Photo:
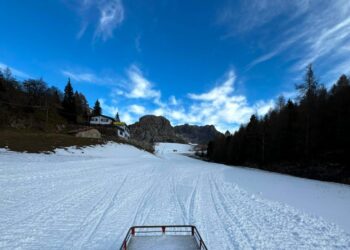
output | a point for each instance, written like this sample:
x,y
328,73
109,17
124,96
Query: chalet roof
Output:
x,y
105,116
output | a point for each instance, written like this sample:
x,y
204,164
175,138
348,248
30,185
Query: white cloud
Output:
x,y
173,100
139,86
83,76
137,109
243,16
15,72
219,106
108,109
219,93
110,14
80,77
127,118
125,114
262,107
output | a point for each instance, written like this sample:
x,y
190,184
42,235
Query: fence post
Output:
x,y
163,229
133,231
192,230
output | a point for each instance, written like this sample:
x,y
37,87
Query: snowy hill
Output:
x,y
88,198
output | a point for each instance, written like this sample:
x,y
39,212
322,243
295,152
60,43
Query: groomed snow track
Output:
x,y
89,198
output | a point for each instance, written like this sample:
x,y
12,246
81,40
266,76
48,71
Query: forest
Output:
x,y
32,104
306,137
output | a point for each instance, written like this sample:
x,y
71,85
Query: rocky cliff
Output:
x,y
151,128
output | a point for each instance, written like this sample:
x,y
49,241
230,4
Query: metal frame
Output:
x,y
164,229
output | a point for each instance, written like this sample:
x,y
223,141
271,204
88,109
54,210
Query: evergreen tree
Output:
x,y
309,137
68,103
310,85
117,117
81,107
97,108
281,102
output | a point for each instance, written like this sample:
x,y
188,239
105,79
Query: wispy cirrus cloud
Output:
x,y
80,77
104,15
14,71
244,16
302,32
89,77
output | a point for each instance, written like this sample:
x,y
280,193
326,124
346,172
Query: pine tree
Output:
x,y
97,108
308,94
68,103
280,103
117,117
309,87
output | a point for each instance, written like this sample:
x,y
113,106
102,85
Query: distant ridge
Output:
x,y
197,134
151,128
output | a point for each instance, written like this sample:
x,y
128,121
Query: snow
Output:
x,y
88,198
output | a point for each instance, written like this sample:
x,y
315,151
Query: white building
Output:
x,y
122,130
101,120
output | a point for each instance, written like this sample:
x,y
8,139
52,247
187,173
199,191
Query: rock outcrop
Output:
x,y
151,128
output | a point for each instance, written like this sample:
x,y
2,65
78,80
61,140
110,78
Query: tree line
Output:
x,y
33,104
307,137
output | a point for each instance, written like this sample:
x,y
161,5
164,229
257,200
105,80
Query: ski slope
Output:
x,y
88,198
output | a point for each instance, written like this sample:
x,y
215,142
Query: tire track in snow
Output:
x,y
142,210
179,203
208,219
97,220
224,211
224,228
192,199
244,213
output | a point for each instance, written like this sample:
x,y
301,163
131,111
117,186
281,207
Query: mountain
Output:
x,y
151,128
197,134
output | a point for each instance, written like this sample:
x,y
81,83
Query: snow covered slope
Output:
x,y
87,199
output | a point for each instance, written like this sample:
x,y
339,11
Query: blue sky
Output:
x,y
196,62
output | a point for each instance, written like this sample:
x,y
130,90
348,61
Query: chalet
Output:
x,y
101,120
122,130
121,127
